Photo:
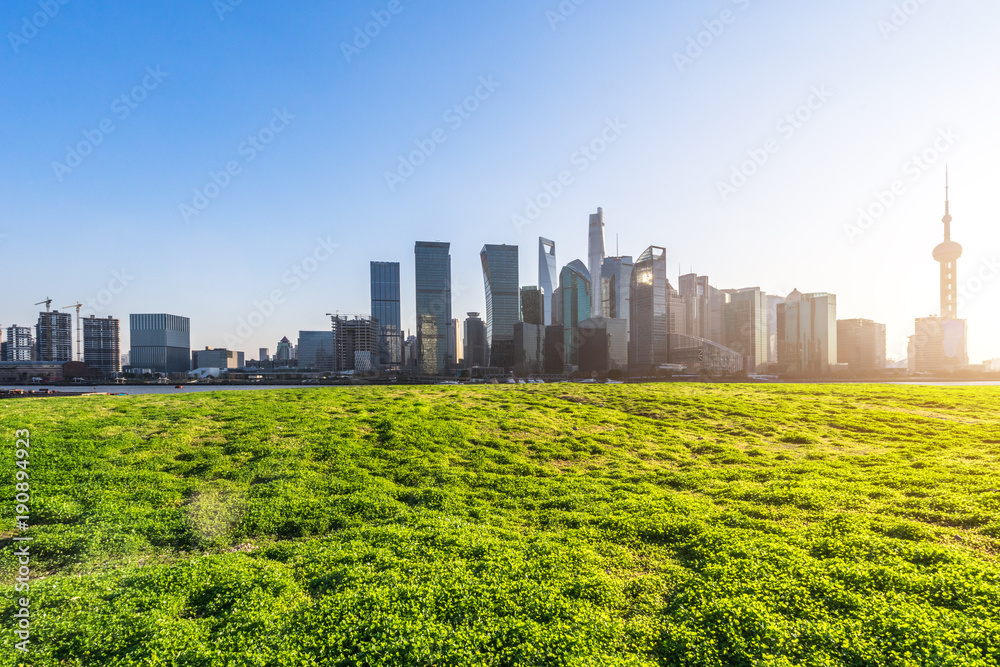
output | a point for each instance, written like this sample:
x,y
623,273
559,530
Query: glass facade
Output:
x,y
433,280
548,276
161,343
746,327
385,297
500,276
316,351
575,299
648,305
616,280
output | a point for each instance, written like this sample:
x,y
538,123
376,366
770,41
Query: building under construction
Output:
x,y
102,344
54,336
355,344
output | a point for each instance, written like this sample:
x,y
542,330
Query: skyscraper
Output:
x,y
385,297
476,346
861,344
283,356
575,299
433,281
548,275
20,344
648,304
160,342
596,252
102,344
503,307
807,333
616,282
54,336
746,326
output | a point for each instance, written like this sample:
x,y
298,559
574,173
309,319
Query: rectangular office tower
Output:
x,y
861,345
316,351
548,276
20,344
385,294
648,303
160,342
807,333
102,347
434,321
503,307
54,336
746,327
532,306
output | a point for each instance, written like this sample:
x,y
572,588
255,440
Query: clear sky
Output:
x,y
115,113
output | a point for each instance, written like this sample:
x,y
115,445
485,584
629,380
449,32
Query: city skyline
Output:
x,y
807,180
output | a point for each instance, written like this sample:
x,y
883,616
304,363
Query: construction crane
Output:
x,y
79,331
48,322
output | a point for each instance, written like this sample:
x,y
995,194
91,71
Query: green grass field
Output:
x,y
692,525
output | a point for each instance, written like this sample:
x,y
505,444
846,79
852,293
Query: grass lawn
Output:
x,y
695,525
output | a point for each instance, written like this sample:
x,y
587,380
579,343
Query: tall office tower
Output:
x,y
532,306
503,308
102,347
575,300
385,296
695,291
263,355
548,275
772,327
946,334
807,333
20,344
476,347
861,345
746,326
316,351
455,331
616,283
160,342
54,336
283,356
648,305
433,279
596,252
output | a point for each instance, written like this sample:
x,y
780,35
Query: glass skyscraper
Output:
x,y
434,321
548,275
102,344
385,294
503,307
161,343
648,306
575,299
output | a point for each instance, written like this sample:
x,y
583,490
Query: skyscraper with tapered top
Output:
x,y
548,275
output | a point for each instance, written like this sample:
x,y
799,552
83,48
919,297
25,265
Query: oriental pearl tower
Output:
x,y
947,254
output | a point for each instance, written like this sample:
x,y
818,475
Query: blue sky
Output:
x,y
886,80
